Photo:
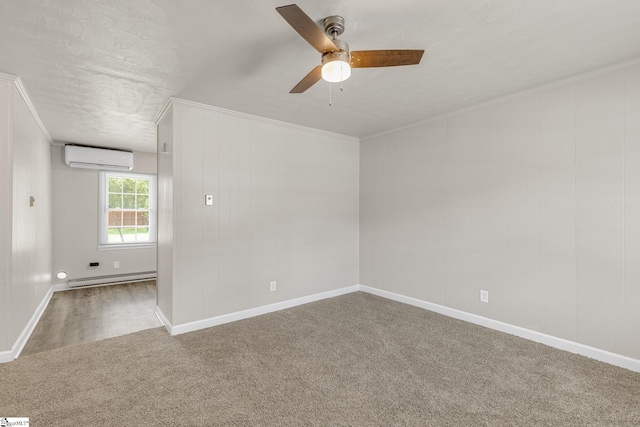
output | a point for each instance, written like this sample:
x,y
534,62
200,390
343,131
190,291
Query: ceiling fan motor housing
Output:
x,y
342,45
341,55
336,56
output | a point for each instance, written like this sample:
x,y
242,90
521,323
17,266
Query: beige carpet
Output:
x,y
354,360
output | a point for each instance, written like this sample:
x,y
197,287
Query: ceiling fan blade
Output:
x,y
308,29
309,80
385,58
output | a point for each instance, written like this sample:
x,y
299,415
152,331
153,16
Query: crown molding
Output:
x,y
22,91
163,111
25,97
177,101
8,78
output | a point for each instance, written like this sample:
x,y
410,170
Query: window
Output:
x,y
127,209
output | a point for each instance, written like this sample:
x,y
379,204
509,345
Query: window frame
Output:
x,y
103,209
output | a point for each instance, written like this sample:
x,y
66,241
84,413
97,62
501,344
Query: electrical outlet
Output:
x,y
484,296
116,264
273,286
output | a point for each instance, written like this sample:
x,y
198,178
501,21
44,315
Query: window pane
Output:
x,y
129,234
143,186
143,202
115,201
129,218
129,185
143,234
143,218
115,218
115,185
129,201
115,235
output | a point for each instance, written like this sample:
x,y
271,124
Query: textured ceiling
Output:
x,y
98,71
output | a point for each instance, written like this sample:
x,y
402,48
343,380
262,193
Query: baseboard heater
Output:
x,y
111,280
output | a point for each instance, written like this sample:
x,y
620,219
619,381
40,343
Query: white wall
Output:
x,y
165,215
6,216
25,229
75,223
285,209
535,199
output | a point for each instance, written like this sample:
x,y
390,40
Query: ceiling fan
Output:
x,y
337,61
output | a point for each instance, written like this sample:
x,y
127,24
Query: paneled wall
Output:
x,y
31,238
6,216
535,198
165,252
285,210
75,223
25,222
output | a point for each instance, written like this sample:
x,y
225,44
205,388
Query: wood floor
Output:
x,y
92,314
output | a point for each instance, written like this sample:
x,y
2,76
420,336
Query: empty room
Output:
x,y
323,213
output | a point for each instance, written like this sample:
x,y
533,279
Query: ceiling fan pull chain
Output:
x,y
334,36
329,94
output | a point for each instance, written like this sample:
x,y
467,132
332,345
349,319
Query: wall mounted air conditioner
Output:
x,y
78,156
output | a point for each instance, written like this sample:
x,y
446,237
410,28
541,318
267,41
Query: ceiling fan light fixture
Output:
x,y
337,59
335,67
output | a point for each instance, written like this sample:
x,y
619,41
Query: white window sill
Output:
x,y
114,246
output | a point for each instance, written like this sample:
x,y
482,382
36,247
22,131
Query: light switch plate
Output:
x,y
208,199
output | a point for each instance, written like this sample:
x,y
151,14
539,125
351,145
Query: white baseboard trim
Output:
x,y
163,319
252,312
8,356
559,343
